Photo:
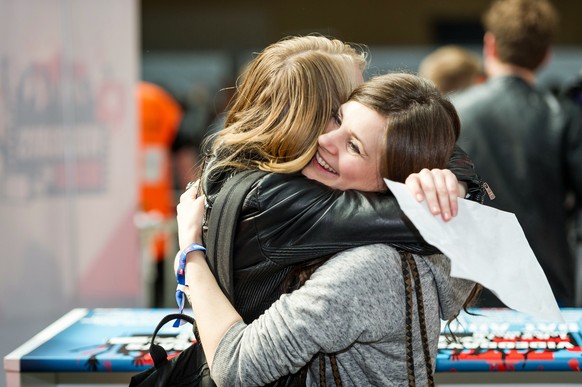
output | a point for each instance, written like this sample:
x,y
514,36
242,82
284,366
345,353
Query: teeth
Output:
x,y
325,165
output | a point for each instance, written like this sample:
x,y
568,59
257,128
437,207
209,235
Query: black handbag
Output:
x,y
190,368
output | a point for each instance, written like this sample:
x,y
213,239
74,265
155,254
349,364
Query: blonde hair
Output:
x,y
283,102
451,68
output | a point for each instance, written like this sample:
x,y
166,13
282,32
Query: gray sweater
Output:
x,y
354,305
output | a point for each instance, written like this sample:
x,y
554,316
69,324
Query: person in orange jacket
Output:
x,y
159,119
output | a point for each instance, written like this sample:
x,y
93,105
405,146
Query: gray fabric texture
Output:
x,y
353,305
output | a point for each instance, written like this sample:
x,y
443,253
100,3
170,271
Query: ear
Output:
x,y
489,49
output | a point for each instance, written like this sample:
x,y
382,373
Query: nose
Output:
x,y
329,141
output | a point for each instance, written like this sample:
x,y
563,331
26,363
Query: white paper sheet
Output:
x,y
488,246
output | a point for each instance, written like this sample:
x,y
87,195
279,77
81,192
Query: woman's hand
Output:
x,y
190,215
440,188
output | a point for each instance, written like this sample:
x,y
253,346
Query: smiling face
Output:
x,y
349,152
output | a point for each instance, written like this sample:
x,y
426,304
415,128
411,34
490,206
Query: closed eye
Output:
x,y
353,146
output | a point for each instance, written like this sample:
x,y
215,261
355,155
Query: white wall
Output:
x,y
67,161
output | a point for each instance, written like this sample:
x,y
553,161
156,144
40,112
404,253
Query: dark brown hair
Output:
x,y
422,124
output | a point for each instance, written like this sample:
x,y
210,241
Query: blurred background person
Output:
x,y
204,116
526,142
186,152
159,118
452,68
573,91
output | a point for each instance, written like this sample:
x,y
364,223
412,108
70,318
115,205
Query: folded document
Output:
x,y
488,246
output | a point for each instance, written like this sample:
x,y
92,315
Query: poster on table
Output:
x,y
502,340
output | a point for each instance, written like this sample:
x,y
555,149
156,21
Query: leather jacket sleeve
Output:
x,y
293,219
462,166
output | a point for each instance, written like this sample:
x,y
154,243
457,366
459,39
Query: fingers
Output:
x,y
452,189
190,215
192,190
190,184
414,186
431,186
199,204
445,194
439,188
189,205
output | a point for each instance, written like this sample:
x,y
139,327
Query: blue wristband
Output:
x,y
181,277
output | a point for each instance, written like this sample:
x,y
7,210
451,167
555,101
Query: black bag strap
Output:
x,y
222,226
157,352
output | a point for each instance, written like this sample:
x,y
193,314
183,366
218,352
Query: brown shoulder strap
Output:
x,y
421,319
408,265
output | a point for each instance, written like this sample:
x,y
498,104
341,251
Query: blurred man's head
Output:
x,y
451,68
522,30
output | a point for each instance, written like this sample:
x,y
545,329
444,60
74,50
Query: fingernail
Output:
x,y
419,197
435,210
446,216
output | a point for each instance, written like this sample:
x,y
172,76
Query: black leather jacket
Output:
x,y
528,145
288,219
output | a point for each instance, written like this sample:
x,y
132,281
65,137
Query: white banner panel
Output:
x,y
68,135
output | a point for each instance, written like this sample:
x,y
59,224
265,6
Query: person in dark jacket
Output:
x,y
285,99
527,143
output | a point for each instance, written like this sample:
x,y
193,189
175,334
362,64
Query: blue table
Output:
x,y
502,346
107,346
94,346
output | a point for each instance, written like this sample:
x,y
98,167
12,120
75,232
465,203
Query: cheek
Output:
x,y
370,173
379,178
380,184
363,177
375,182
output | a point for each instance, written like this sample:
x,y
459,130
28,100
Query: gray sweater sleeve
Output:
x,y
329,313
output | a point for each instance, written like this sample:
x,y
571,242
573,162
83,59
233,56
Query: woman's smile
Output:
x,y
321,161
